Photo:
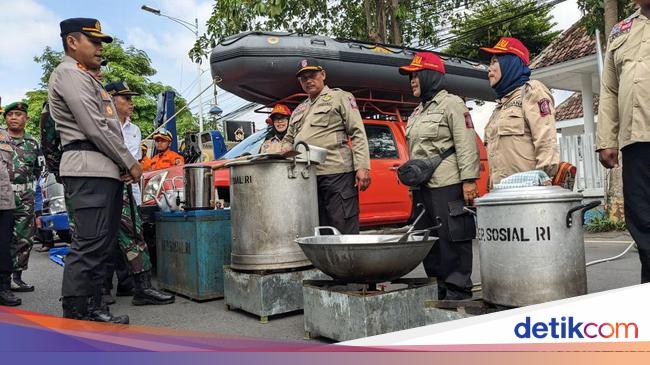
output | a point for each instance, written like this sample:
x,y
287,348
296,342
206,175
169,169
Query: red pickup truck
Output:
x,y
385,202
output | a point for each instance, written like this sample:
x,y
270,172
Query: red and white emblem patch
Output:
x,y
353,102
544,107
468,120
625,25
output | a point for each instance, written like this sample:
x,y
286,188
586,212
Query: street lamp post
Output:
x,y
194,28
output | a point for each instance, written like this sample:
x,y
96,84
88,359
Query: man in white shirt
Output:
x,y
130,237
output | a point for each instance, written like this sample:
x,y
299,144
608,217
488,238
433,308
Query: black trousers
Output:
x,y
636,193
338,202
97,206
450,258
117,264
6,232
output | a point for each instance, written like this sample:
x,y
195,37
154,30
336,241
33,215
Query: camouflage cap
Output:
x,y
18,105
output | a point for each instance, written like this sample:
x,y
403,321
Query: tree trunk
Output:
x,y
396,34
611,15
369,18
381,21
614,190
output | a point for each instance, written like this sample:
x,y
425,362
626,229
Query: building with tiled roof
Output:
x,y
573,43
571,108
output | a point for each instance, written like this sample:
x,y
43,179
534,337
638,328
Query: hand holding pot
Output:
x,y
470,192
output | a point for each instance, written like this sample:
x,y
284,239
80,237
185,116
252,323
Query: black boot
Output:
x,y
144,293
18,285
75,308
7,298
99,312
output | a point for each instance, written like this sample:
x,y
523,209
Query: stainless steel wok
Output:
x,y
366,259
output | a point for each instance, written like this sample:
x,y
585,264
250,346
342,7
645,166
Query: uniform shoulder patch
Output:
x,y
544,107
621,28
468,120
301,108
353,102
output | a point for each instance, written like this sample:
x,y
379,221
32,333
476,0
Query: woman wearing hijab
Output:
x,y
441,127
520,135
279,122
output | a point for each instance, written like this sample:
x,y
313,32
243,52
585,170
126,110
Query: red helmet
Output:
x,y
509,45
279,109
424,61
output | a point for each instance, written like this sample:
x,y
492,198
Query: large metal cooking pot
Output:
x,y
199,187
531,245
365,259
316,154
273,201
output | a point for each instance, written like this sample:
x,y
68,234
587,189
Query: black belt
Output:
x,y
80,146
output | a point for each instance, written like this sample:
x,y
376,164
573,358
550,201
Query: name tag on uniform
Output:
x,y
5,147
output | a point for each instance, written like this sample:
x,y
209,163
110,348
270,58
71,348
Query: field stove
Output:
x,y
266,293
345,312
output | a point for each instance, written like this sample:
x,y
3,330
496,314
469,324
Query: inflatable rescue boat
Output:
x,y
261,67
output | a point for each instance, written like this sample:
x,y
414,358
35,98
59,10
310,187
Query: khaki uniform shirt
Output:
x,y
520,135
329,122
7,201
84,111
272,145
443,123
624,110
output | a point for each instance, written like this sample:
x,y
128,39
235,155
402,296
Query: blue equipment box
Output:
x,y
192,248
55,222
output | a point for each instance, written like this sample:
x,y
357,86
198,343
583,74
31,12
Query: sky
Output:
x,y
28,26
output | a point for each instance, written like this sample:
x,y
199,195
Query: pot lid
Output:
x,y
264,160
531,194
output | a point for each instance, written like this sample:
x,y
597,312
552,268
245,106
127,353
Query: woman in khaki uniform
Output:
x,y
442,126
7,205
279,123
520,135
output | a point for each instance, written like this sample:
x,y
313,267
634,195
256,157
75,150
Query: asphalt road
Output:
x,y
214,317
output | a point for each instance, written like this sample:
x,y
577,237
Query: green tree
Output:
x,y
129,64
594,13
490,20
400,22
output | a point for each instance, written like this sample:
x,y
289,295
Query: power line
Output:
x,y
474,31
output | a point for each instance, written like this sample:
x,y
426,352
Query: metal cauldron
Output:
x,y
531,245
199,187
273,201
366,259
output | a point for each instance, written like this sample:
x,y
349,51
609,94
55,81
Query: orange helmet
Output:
x,y
279,109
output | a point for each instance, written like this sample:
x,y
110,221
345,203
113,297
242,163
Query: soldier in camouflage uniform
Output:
x,y
27,168
130,236
7,205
